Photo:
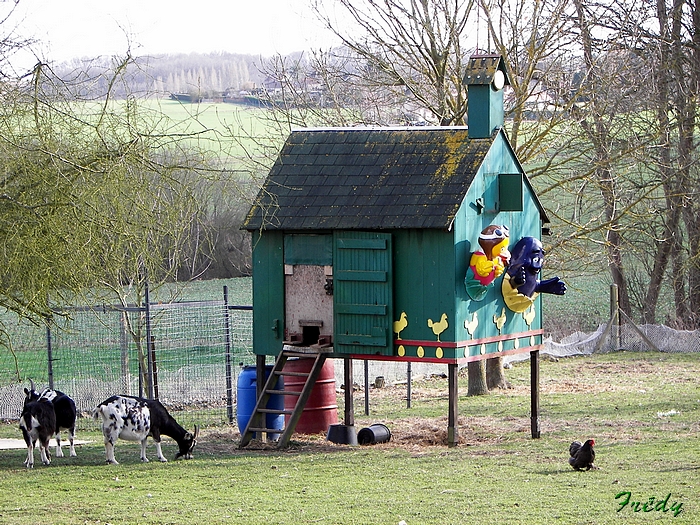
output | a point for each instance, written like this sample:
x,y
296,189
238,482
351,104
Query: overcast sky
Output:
x,y
79,28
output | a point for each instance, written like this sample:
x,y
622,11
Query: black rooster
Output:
x,y
582,456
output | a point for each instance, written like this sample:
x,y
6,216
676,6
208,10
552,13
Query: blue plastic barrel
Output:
x,y
247,397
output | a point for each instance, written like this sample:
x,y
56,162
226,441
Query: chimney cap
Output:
x,y
482,70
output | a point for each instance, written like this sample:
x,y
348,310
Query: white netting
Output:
x,y
636,338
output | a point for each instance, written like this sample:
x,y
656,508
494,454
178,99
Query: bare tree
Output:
x,y
672,52
536,38
99,197
411,48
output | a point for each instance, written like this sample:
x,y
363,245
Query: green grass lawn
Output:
x,y
642,409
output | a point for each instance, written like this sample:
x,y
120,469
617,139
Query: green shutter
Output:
x,y
268,293
510,192
362,293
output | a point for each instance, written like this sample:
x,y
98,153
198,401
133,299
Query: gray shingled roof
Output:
x,y
368,179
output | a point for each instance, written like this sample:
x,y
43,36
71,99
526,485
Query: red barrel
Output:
x,y
321,410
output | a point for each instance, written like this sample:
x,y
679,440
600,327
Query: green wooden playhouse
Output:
x,y
362,239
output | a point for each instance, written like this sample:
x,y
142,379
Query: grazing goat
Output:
x,y
65,410
136,418
38,423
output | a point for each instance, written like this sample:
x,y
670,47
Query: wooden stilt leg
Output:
x,y
259,374
452,427
349,406
535,393
258,419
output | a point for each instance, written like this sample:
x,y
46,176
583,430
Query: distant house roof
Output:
x,y
353,178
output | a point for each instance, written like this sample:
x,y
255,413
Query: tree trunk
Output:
x,y
692,269
600,135
495,375
694,223
476,373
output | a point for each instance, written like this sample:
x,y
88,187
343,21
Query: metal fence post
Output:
x,y
366,362
409,378
49,353
149,356
124,345
229,382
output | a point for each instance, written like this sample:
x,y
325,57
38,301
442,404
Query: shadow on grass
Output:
x,y
558,472
688,468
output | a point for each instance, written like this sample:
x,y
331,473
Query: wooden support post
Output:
x,y
259,418
453,412
535,393
615,319
349,406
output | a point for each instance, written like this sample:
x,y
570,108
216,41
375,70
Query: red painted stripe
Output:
x,y
444,360
469,342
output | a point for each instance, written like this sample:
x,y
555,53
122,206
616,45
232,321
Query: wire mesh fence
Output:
x,y
191,363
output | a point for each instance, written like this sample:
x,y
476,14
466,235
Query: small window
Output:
x,y
510,192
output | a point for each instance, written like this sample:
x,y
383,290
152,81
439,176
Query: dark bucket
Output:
x,y
373,434
342,434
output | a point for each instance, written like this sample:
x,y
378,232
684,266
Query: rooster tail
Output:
x,y
574,448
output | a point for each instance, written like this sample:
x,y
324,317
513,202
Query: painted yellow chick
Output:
x,y
438,326
400,325
470,326
500,321
529,315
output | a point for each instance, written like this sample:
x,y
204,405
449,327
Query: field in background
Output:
x,y
221,128
584,307
240,291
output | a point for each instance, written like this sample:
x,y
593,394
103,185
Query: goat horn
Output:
x,y
196,432
31,385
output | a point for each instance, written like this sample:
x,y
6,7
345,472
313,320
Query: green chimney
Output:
x,y
485,77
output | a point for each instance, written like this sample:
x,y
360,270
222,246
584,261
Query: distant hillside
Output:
x,y
205,75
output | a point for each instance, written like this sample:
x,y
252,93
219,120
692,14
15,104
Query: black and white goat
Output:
x,y
136,418
38,423
65,410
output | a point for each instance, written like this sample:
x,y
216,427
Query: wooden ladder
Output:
x,y
256,423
